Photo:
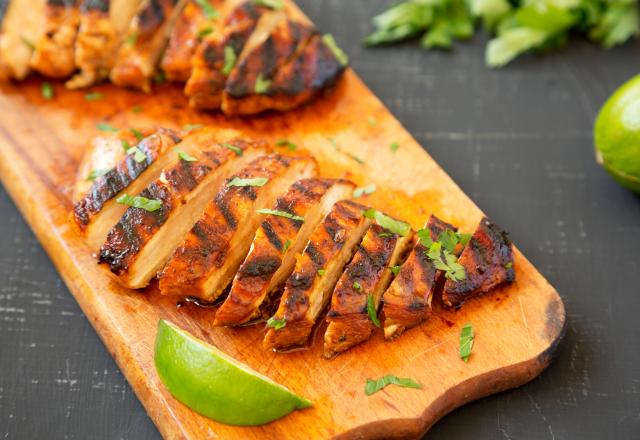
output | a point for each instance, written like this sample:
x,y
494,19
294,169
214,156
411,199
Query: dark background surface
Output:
x,y
517,140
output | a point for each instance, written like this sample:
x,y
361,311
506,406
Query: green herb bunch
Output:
x,y
518,26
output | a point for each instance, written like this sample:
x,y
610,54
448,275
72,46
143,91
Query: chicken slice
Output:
x,y
261,58
142,242
103,154
362,283
146,40
310,72
22,27
206,261
276,243
195,22
488,263
103,24
407,301
218,53
54,49
308,289
96,213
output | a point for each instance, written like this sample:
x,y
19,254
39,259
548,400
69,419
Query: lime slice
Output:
x,y
617,135
217,386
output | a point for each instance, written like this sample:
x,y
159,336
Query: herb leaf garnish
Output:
x,y
205,31
140,202
449,265
321,272
262,85
207,9
191,127
98,172
138,154
364,190
230,58
237,181
232,147
395,269
373,386
103,126
46,89
392,225
287,143
466,342
371,310
183,155
93,96
340,55
272,4
372,121
276,323
137,133
286,246
280,214
357,286
395,147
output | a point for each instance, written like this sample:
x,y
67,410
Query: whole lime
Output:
x,y
617,135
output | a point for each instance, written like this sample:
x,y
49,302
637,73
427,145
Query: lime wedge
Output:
x,y
617,135
217,386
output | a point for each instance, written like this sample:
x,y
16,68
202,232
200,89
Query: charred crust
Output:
x,y
259,267
271,235
223,207
315,255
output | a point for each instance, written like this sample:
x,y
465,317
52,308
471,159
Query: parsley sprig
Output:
x,y
441,252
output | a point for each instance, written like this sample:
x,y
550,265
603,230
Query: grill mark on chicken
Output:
x,y
250,295
204,253
368,274
206,82
488,263
117,179
307,292
284,41
407,302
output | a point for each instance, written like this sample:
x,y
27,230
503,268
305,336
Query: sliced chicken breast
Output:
x,y
218,53
103,25
22,27
277,242
96,213
142,242
146,40
196,22
206,261
310,72
265,52
308,289
54,49
360,288
488,263
407,301
103,154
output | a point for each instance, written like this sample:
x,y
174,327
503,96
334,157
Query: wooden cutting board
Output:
x,y
517,328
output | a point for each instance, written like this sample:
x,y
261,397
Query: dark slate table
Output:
x,y
517,140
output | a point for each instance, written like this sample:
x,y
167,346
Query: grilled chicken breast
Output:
x,y
311,71
363,281
146,40
308,289
407,301
194,23
142,242
488,263
218,53
103,154
206,261
54,49
276,243
103,24
96,213
265,52
22,27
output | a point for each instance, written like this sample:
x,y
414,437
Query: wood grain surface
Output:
x,y
517,328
